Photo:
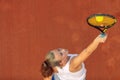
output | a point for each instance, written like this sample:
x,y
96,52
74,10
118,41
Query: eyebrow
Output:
x,y
59,50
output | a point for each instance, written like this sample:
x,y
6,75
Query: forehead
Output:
x,y
59,50
57,53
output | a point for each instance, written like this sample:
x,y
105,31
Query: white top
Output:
x,y
65,74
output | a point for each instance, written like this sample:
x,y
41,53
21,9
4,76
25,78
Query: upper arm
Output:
x,y
79,59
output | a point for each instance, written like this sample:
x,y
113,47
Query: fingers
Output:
x,y
103,38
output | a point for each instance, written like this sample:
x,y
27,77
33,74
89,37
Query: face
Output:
x,y
61,55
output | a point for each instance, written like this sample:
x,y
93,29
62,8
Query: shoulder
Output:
x,y
73,67
72,57
74,54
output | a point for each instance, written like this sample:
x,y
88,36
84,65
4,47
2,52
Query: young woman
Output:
x,y
64,66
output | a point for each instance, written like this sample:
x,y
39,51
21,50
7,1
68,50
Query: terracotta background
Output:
x,y
30,28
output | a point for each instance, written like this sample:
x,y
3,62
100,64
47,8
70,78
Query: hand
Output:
x,y
101,38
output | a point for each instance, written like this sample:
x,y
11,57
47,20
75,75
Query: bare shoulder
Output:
x,y
73,67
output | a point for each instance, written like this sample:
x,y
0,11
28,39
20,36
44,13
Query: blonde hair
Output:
x,y
48,64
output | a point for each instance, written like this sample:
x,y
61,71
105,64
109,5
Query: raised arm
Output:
x,y
76,62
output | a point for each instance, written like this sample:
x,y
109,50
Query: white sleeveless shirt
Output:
x,y
65,74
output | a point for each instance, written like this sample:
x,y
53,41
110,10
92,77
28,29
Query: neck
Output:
x,y
67,59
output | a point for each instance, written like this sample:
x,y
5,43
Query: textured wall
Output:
x,y
30,28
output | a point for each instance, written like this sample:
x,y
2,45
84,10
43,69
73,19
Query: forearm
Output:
x,y
88,51
77,61
92,47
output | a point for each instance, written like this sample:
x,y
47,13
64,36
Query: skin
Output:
x,y
75,63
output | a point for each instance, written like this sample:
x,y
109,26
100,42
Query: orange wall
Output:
x,y
30,28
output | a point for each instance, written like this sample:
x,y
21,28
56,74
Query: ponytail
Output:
x,y
46,69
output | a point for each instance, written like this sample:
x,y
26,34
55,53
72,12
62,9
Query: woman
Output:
x,y
65,66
